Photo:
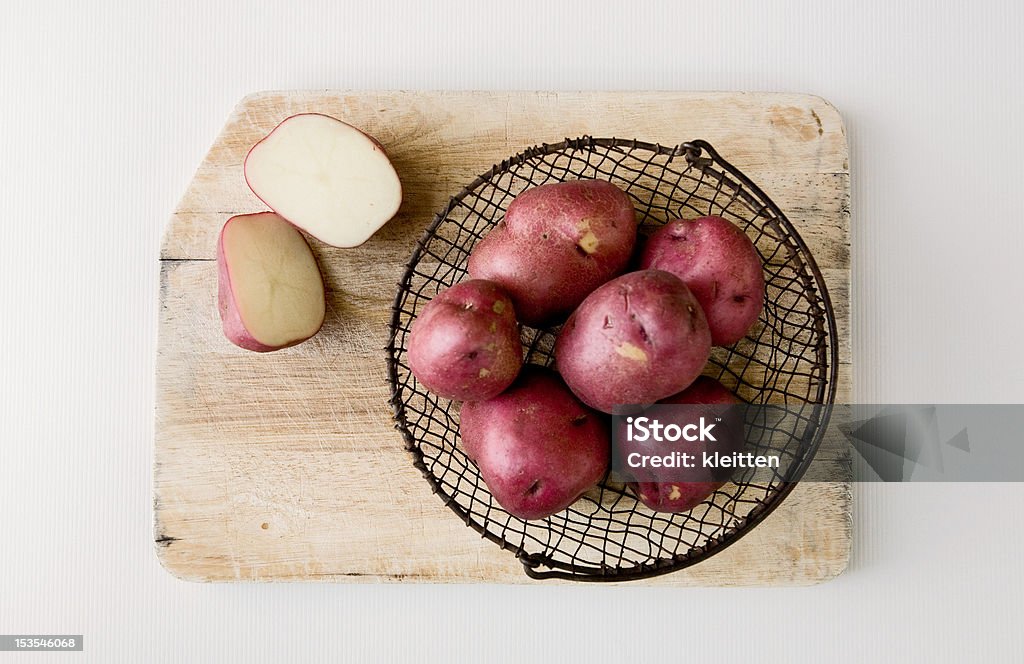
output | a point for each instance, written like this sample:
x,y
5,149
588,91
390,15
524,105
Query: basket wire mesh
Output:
x,y
788,358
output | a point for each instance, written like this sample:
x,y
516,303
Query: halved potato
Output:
x,y
326,177
270,291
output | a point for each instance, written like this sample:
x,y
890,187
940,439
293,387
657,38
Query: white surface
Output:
x,y
104,113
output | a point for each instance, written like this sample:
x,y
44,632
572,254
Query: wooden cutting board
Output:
x,y
287,466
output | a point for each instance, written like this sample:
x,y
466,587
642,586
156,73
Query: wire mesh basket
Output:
x,y
789,357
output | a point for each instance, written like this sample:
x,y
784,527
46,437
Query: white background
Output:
x,y
106,110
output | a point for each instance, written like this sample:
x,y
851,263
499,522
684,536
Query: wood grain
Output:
x,y
286,466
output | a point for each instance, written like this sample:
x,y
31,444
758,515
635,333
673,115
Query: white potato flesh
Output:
x,y
274,283
326,177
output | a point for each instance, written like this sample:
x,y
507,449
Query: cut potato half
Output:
x,y
271,293
326,177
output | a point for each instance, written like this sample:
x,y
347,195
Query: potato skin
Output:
x,y
719,264
673,496
537,447
704,391
465,343
556,244
683,496
639,338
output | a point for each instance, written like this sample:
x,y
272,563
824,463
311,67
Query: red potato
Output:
x,y
465,343
674,496
537,447
719,264
637,339
556,244
270,291
326,177
665,495
704,391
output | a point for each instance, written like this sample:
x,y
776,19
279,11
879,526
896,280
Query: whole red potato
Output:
x,y
556,244
537,447
665,494
638,338
719,263
465,343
